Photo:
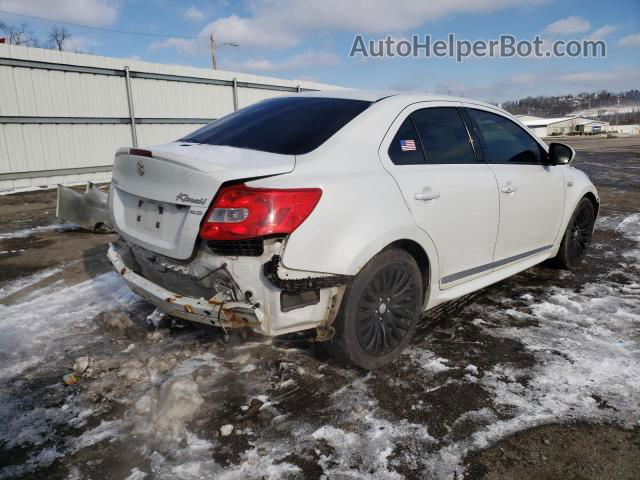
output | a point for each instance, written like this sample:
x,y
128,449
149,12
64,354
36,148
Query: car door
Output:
x,y
451,195
531,192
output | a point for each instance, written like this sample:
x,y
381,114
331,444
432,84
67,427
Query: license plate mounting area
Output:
x,y
150,215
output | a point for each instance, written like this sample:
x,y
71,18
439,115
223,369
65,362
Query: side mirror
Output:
x,y
560,154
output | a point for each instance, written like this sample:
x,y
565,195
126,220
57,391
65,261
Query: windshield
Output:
x,y
288,125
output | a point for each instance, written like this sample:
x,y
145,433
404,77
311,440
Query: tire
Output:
x,y
577,237
379,311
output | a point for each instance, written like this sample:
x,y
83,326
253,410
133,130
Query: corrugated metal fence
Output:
x,y
63,115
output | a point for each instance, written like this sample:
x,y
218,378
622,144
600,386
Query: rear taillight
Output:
x,y
241,212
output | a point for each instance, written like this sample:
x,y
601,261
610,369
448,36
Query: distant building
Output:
x,y
547,127
592,126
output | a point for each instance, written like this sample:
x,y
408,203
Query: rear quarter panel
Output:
x,y
361,210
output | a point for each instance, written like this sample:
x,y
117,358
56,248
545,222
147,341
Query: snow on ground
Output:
x,y
182,404
39,330
427,361
630,227
27,232
12,287
33,327
586,347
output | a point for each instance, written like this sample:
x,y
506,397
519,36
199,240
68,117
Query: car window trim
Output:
x,y
470,138
415,127
473,136
482,148
542,151
470,105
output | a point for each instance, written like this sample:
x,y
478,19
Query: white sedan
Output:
x,y
344,214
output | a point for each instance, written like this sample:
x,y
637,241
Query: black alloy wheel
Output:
x,y
577,236
379,311
581,231
386,309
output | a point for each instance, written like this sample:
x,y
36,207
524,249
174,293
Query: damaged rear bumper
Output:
x,y
220,311
234,291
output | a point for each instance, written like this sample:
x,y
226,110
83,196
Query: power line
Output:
x,y
79,25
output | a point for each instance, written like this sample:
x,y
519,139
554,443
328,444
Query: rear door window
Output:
x,y
444,136
504,141
287,125
405,148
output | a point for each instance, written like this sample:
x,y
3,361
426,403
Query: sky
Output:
x,y
311,39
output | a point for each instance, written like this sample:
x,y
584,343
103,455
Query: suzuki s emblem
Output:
x,y
140,168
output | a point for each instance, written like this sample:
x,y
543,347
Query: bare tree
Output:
x,y
57,37
18,34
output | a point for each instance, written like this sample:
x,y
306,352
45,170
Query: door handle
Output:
x,y
426,195
508,188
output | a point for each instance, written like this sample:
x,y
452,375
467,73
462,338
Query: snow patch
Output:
x,y
248,368
156,318
172,406
587,349
428,361
136,474
44,458
368,453
33,334
16,285
30,328
472,369
28,232
105,431
630,227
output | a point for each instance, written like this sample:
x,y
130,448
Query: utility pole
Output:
x,y
212,40
213,52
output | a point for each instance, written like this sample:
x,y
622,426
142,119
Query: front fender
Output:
x,y
577,186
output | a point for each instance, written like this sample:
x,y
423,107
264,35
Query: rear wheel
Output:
x,y
379,311
578,235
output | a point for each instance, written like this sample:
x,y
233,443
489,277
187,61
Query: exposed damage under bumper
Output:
x,y
234,292
220,310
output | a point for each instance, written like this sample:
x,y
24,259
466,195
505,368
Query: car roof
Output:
x,y
349,93
378,95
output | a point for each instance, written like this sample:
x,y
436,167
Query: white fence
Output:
x,y
63,115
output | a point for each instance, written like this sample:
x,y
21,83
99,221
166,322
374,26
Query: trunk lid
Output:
x,y
159,202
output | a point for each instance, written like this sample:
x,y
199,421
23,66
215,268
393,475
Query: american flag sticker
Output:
x,y
408,145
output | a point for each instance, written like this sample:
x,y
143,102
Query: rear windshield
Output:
x,y
289,125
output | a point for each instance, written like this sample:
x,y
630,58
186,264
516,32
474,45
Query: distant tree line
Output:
x,y
21,34
624,118
561,105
